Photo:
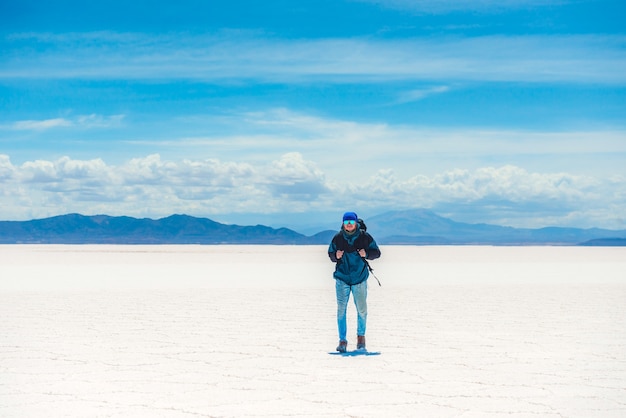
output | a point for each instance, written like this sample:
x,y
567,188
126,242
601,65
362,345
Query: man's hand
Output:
x,y
362,253
339,254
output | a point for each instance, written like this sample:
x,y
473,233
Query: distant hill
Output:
x,y
414,227
175,229
605,242
424,227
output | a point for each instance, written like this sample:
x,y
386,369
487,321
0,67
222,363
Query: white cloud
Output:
x,y
294,178
7,170
146,171
38,171
152,187
508,183
77,169
292,168
63,169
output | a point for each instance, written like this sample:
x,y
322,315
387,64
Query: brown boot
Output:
x,y
343,346
360,342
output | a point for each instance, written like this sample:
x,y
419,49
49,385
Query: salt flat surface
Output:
x,y
245,331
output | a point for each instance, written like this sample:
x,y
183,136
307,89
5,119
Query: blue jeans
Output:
x,y
359,292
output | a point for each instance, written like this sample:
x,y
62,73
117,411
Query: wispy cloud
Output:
x,y
98,121
83,121
215,58
419,94
39,125
279,127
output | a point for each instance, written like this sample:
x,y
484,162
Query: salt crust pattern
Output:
x,y
245,331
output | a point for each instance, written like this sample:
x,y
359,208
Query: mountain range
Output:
x,y
412,227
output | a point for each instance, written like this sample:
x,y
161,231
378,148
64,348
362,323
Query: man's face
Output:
x,y
349,225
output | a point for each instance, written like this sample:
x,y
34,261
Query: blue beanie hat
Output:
x,y
350,216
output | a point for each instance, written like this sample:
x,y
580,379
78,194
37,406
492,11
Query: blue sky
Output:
x,y
288,113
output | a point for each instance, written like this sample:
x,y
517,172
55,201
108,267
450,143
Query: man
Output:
x,y
349,249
